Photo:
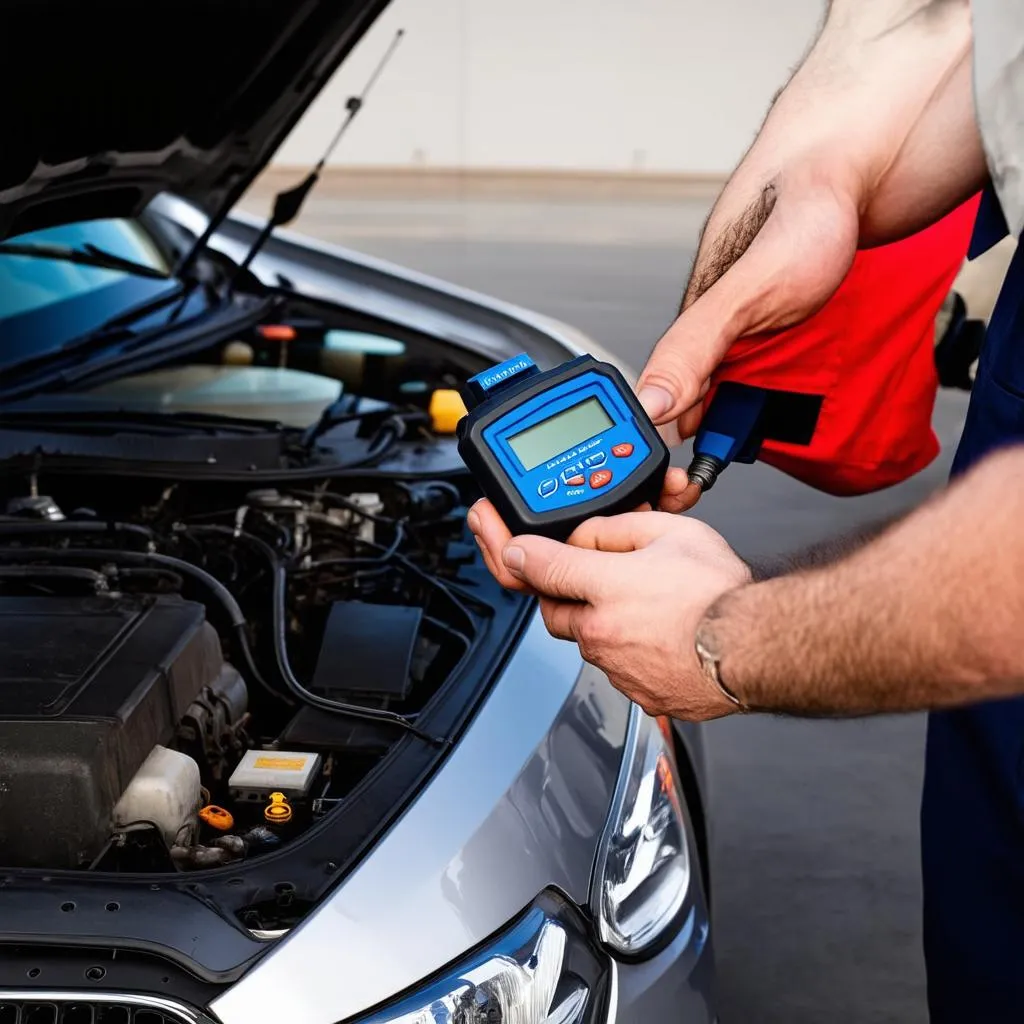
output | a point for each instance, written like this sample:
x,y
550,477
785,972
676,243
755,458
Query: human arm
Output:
x,y
927,615
821,553
872,139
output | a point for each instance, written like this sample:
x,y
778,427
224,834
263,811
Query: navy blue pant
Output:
x,y
972,817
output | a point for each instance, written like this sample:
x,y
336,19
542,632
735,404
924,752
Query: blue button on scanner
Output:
x,y
547,488
595,460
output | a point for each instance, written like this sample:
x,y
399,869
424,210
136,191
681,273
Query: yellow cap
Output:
x,y
278,811
446,409
216,817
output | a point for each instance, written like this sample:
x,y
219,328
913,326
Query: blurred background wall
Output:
x,y
666,87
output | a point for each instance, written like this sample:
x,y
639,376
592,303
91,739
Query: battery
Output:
x,y
262,772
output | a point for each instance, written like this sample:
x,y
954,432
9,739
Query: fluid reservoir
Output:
x,y
293,397
166,791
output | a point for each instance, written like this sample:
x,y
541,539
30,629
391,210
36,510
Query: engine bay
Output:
x,y
196,674
242,618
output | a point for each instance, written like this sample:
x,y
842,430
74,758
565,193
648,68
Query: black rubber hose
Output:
x,y
280,640
325,703
211,583
253,669
387,437
151,573
441,586
12,528
239,622
42,573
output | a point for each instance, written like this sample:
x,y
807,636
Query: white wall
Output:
x,y
667,86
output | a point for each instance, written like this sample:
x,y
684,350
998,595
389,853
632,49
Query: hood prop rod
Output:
x,y
288,203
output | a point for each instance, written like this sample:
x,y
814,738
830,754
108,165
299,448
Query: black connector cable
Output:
x,y
740,418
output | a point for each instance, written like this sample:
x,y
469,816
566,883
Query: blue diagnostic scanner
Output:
x,y
553,448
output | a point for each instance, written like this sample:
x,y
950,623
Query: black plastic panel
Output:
x,y
367,650
88,686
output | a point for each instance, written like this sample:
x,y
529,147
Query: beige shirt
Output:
x,y
999,99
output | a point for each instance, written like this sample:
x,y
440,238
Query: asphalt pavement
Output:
x,y
815,847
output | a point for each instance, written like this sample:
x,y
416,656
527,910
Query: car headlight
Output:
x,y
541,970
642,875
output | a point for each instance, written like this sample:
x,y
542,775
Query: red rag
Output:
x,y
870,351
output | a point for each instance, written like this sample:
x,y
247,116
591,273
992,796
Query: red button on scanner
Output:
x,y
600,478
622,451
576,481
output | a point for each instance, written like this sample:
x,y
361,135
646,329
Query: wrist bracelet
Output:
x,y
710,661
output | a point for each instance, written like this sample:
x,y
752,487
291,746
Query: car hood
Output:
x,y
112,102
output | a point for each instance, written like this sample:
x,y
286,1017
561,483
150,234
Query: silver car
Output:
x,y
273,744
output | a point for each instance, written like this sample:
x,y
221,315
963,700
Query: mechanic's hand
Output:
x,y
630,590
765,264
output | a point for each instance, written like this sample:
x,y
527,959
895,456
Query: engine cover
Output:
x,y
88,686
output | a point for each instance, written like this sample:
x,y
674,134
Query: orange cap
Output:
x,y
216,817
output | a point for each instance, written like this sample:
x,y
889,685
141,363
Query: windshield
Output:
x,y
29,283
47,301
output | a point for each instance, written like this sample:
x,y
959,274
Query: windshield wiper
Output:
x,y
87,255
115,329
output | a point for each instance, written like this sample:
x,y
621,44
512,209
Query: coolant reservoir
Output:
x,y
292,397
166,791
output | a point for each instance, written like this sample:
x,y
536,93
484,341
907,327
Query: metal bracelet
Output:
x,y
710,660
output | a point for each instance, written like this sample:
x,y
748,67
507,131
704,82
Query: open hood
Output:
x,y
108,103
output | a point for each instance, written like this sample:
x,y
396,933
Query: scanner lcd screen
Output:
x,y
570,427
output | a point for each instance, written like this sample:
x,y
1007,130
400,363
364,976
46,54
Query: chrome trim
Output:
x,y
629,749
181,1012
613,994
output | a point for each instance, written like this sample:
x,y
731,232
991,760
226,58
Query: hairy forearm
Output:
x,y
824,552
881,101
928,615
